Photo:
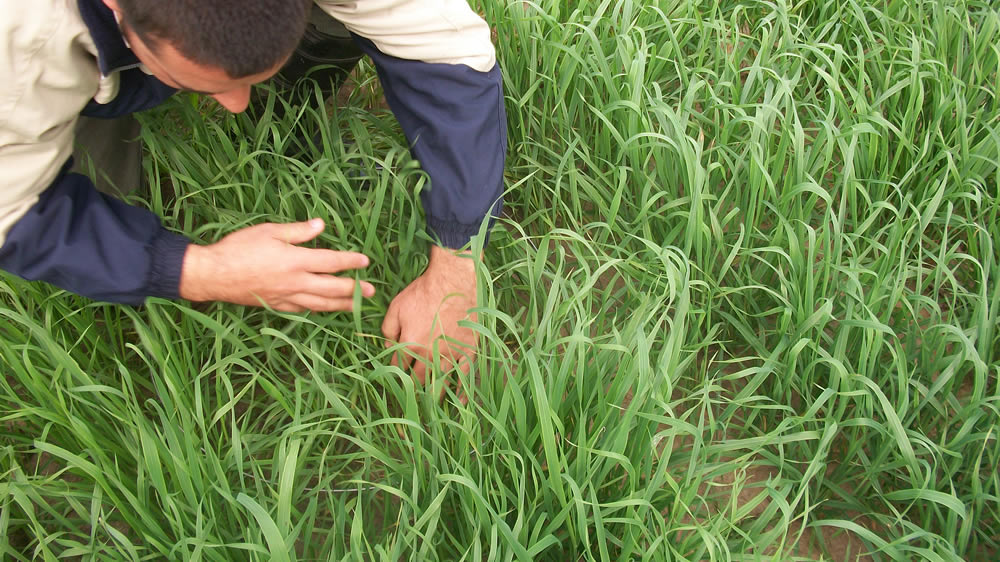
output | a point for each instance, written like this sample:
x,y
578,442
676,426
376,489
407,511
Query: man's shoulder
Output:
x,y
434,31
47,62
35,22
49,73
44,33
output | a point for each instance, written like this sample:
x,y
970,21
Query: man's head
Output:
x,y
216,47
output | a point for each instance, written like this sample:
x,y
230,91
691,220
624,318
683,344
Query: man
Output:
x,y
63,59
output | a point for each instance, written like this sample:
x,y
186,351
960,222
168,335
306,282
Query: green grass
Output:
x,y
744,305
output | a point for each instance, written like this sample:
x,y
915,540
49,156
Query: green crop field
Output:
x,y
743,304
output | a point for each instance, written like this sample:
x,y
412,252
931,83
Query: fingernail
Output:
x,y
365,261
316,224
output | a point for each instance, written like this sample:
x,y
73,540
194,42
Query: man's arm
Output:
x,y
453,116
97,246
94,245
54,225
438,69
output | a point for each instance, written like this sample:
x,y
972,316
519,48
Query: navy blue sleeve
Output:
x,y
94,245
137,91
454,119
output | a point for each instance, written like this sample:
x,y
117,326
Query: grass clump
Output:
x,y
744,305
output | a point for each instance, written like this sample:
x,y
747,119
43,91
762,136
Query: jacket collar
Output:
x,y
112,52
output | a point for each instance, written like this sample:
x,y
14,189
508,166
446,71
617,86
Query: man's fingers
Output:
x,y
465,366
334,287
419,369
390,324
315,260
297,232
464,363
400,358
390,329
309,301
318,260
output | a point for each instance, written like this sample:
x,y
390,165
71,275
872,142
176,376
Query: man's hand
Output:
x,y
431,307
260,265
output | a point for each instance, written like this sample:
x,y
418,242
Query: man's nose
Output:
x,y
235,100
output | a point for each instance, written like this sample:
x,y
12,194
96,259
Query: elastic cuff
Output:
x,y
456,235
167,258
451,234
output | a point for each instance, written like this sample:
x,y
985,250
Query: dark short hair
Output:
x,y
242,37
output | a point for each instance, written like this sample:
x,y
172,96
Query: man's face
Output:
x,y
175,70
